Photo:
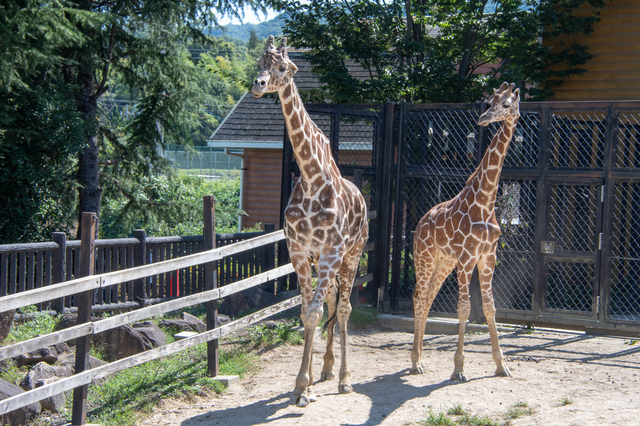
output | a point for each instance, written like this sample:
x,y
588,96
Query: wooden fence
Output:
x,y
30,266
88,282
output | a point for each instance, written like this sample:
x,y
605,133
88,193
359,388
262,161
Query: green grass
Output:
x,y
457,416
362,316
565,400
518,410
271,333
37,323
131,394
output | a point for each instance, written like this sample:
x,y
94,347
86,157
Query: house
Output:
x,y
614,74
256,126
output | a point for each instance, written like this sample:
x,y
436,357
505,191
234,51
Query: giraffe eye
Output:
x,y
283,68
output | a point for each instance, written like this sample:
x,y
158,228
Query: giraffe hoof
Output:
x,y
503,372
418,369
326,375
345,388
458,377
299,400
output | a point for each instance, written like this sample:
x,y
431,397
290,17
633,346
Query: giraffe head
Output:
x,y
504,104
276,70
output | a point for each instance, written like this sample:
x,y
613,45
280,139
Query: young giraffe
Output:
x,y
463,232
325,223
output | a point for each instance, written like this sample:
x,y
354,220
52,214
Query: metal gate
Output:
x,y
568,203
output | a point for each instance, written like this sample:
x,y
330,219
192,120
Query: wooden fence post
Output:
x,y
58,267
139,259
269,260
84,301
211,282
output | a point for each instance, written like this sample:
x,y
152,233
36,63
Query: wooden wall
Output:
x,y
262,181
614,74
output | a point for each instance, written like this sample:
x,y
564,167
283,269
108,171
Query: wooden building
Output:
x,y
614,74
256,126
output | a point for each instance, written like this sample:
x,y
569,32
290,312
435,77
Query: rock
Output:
x,y
49,355
222,319
6,320
21,416
43,371
234,305
54,403
121,342
151,331
69,320
92,362
187,323
251,298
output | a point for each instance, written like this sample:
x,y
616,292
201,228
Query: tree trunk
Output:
x,y
90,192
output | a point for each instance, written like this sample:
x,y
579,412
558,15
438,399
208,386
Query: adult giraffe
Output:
x,y
462,233
325,223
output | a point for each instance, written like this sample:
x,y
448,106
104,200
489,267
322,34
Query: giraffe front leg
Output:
x,y
465,269
343,313
486,267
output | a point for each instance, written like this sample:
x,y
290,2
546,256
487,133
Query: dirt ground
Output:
x,y
599,375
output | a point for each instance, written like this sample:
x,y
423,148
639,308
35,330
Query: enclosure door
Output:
x,y
570,248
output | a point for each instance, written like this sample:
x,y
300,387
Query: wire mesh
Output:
x,y
572,216
628,148
625,252
570,286
513,274
578,140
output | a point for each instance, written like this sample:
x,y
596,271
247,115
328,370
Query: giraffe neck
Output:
x,y
487,175
311,147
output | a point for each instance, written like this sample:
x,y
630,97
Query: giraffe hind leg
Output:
x,y
431,271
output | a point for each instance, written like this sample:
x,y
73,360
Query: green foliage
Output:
x,y
64,69
165,206
35,323
439,419
272,333
362,316
437,50
456,410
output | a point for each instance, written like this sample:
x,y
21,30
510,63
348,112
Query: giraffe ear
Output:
x,y
516,93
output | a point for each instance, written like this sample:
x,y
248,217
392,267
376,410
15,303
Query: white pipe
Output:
x,y
241,156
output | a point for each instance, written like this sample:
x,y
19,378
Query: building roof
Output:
x,y
259,123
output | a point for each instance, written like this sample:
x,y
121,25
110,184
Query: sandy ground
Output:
x,y
599,375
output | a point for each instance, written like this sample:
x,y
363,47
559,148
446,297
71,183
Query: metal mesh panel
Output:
x,y
513,275
572,218
625,252
570,286
523,150
443,138
628,150
578,140
207,164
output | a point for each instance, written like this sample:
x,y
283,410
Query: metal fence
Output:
x,y
203,161
568,202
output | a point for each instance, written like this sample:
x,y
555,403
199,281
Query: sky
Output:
x,y
249,17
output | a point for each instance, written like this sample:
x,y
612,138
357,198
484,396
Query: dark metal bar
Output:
x,y
58,267
398,213
140,258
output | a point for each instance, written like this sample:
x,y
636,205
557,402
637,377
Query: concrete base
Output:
x,y
227,380
184,335
434,325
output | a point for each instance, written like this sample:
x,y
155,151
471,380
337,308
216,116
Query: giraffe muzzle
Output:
x,y
259,87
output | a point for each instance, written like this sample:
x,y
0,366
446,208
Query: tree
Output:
x,y
72,52
433,50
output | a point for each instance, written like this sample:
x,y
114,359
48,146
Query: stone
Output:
x,y
6,320
251,298
69,320
234,305
151,331
49,355
121,342
92,362
54,403
21,416
187,323
43,371
227,380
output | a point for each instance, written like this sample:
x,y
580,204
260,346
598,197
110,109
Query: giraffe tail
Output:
x,y
331,322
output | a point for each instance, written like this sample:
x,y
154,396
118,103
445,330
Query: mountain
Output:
x,y
263,29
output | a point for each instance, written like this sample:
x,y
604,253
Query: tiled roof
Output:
x,y
259,122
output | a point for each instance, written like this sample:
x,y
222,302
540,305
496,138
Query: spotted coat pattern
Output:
x,y
462,233
325,223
